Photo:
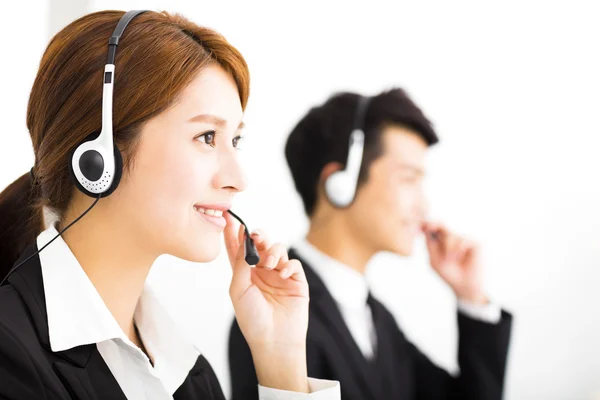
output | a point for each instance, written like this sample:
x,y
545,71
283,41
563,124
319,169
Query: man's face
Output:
x,y
390,206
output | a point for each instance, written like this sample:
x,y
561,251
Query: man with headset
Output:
x,y
358,164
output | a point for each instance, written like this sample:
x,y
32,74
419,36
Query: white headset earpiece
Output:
x,y
340,186
93,162
96,164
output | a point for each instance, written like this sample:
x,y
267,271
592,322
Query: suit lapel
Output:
x,y
82,370
102,379
384,352
324,307
27,281
75,380
85,374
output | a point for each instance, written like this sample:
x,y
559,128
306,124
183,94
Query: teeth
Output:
x,y
212,213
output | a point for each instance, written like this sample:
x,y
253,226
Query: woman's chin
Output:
x,y
204,255
200,247
200,254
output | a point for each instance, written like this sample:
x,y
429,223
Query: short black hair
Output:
x,y
323,134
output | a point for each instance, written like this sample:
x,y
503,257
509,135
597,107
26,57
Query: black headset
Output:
x,y
97,165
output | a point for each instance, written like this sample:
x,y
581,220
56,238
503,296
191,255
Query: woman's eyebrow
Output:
x,y
211,118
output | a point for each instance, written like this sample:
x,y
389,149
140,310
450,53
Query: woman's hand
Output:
x,y
271,308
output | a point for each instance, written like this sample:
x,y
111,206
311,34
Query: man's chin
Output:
x,y
404,250
404,253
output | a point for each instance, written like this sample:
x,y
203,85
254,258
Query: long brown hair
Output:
x,y
159,55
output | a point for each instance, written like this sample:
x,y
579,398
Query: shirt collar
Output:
x,y
78,316
173,352
347,286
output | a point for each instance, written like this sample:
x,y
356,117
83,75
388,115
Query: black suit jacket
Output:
x,y
30,370
399,370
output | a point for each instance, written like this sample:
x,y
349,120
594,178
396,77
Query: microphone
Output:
x,y
251,254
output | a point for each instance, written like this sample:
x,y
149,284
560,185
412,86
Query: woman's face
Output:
x,y
185,172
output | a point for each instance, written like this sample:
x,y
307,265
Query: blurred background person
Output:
x,y
358,164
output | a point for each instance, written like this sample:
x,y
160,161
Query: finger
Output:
x,y
434,246
452,245
293,269
463,246
470,252
275,256
434,230
435,234
241,278
232,237
261,240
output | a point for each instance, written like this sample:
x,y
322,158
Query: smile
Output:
x,y
212,215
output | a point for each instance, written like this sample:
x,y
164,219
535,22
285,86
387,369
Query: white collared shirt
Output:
x,y
78,316
350,290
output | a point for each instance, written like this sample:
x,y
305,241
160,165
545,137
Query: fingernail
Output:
x,y
270,262
284,273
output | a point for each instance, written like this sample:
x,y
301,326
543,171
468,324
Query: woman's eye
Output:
x,y
237,141
208,138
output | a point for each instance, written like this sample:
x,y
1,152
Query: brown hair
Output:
x,y
159,55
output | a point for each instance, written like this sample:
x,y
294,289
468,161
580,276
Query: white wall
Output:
x,y
514,91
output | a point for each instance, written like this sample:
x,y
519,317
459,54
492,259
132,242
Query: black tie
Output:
x,y
384,348
372,306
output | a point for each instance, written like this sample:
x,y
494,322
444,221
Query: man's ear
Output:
x,y
329,169
326,172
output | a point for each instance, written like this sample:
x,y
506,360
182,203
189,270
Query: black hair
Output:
x,y
323,134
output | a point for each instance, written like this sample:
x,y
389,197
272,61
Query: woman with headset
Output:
x,y
136,157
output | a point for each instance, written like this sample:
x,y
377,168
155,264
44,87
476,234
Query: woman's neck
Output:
x,y
115,259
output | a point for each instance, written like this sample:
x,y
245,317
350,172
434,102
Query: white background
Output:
x,y
514,91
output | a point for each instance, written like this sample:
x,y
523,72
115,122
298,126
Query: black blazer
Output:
x,y
399,371
30,370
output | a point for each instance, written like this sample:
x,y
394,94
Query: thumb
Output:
x,y
434,249
240,280
434,241
471,253
231,235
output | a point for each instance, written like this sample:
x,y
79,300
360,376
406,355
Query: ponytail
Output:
x,y
21,220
